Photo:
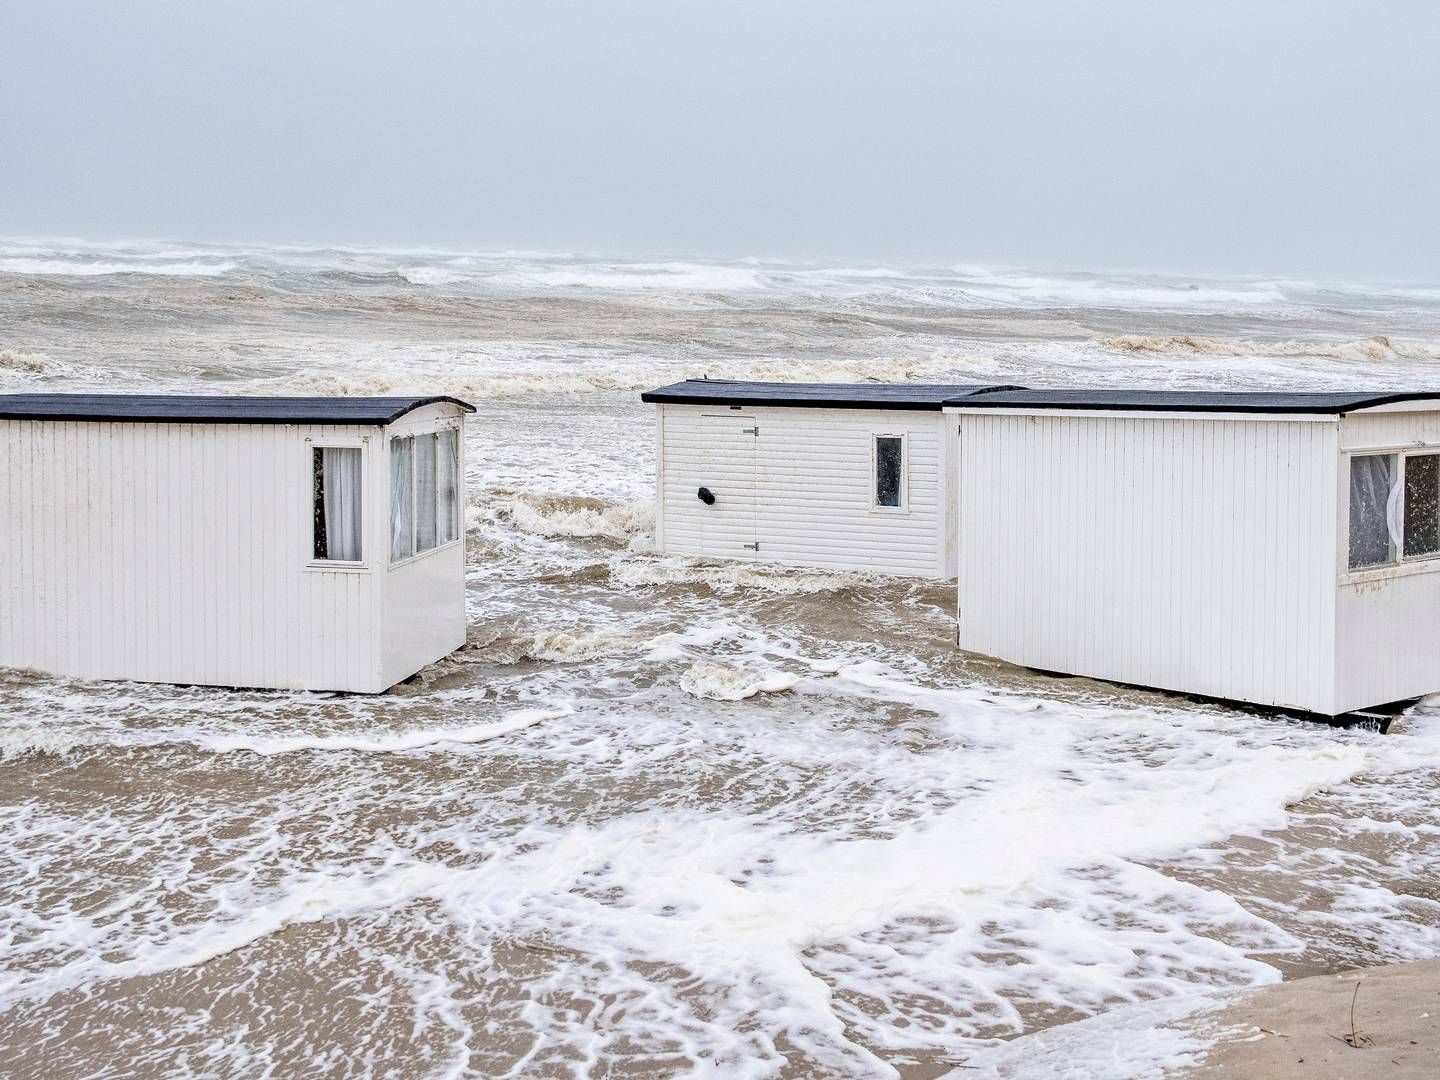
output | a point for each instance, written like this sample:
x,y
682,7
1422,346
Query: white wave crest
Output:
x,y
40,740
1378,349
721,682
576,516
477,378
731,577
381,744
632,277
69,268
560,646
430,275
27,363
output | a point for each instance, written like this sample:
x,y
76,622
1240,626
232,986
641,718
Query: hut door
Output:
x,y
728,524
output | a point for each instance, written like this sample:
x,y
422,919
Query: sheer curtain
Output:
x,y
340,477
402,499
424,492
1374,509
449,467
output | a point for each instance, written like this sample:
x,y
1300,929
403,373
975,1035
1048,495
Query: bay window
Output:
x,y
424,493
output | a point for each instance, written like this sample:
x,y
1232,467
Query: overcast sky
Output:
x,y
1295,136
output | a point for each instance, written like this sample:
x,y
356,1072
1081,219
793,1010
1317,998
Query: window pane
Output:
x,y
449,468
887,470
337,503
402,499
317,504
1422,504
1372,509
424,492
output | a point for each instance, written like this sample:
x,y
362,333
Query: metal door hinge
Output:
x,y
755,546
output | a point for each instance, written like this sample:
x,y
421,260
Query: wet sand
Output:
x,y
1307,1028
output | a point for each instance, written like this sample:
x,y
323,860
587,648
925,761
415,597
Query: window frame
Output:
x,y
428,431
335,566
1404,523
875,505
1401,565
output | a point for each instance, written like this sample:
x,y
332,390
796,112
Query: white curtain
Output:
x,y
449,467
1394,520
424,492
340,478
1374,509
402,499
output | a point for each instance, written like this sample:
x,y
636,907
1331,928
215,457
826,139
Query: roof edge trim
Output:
x,y
343,411
812,395
438,399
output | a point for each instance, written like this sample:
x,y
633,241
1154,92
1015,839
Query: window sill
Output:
x,y
324,566
1409,568
409,559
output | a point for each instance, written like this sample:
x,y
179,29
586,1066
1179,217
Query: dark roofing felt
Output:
x,y
194,409
1263,401
814,395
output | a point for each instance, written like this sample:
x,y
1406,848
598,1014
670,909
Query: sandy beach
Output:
x,y
1377,1022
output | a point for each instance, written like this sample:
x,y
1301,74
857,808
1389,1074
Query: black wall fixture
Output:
x,y
706,496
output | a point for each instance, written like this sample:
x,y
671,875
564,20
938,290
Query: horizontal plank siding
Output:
x,y
802,489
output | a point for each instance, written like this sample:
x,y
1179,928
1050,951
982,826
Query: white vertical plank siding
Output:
x,y
802,489
660,479
178,552
947,477
1187,554
1387,620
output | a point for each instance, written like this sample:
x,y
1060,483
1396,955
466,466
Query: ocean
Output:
x,y
661,816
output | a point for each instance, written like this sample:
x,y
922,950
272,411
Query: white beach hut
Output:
x,y
841,476
1275,548
302,543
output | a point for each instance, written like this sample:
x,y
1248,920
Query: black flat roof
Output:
x,y
815,395
1258,401
195,409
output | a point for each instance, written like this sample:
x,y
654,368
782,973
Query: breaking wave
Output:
x,y
546,275
27,363
724,682
40,740
556,646
74,268
429,275
1378,349
380,744
575,516
628,277
460,377
61,736
729,577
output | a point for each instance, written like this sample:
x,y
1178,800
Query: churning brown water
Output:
x,y
662,817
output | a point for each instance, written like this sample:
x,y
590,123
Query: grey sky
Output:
x,y
1294,136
